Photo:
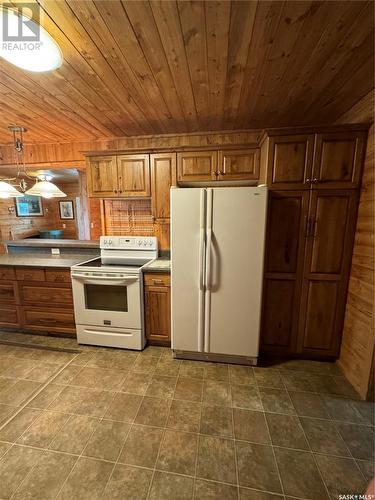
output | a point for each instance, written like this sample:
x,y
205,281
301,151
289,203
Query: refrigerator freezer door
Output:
x,y
187,255
235,281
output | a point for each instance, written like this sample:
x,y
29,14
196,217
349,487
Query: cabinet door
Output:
x,y
329,248
158,313
285,244
46,319
242,164
102,177
338,159
195,166
163,176
290,161
46,294
8,292
9,316
133,175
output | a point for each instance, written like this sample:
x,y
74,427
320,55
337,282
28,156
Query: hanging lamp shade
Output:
x,y
8,191
45,189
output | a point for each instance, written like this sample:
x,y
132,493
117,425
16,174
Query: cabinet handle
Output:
x,y
224,165
307,181
158,282
315,180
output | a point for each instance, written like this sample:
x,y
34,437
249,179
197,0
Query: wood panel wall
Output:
x,y
70,154
358,342
13,227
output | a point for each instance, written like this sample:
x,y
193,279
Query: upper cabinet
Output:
x,y
102,176
338,159
289,161
133,172
118,176
330,160
240,164
197,166
163,176
222,165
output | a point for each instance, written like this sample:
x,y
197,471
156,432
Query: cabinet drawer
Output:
x,y
157,279
58,275
7,273
9,316
48,319
30,274
60,296
8,292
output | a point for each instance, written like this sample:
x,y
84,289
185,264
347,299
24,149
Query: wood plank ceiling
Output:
x,y
139,67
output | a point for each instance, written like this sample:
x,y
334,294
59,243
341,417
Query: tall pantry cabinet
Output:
x,y
314,182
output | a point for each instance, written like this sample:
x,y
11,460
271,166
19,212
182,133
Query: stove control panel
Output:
x,y
129,242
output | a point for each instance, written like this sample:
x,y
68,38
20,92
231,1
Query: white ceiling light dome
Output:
x,y
46,189
8,191
25,43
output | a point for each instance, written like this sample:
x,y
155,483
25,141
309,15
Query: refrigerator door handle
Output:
x,y
207,304
202,253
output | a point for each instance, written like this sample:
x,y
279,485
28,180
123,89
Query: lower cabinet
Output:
x,y
157,308
37,299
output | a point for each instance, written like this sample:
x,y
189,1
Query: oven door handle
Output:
x,y
106,280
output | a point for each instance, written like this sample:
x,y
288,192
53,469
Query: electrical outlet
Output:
x,y
55,251
64,226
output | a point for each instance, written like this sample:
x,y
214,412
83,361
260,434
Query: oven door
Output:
x,y
107,301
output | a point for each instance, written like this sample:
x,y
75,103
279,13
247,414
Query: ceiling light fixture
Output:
x,y
45,188
43,185
24,42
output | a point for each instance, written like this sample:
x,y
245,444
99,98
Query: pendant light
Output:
x,y
8,191
27,44
45,188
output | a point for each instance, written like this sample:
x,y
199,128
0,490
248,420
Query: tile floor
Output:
x,y
108,424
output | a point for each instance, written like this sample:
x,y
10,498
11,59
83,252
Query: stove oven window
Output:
x,y
106,298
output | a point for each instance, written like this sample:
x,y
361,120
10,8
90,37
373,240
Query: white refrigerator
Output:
x,y
217,253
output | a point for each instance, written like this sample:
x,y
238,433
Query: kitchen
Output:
x,y
187,272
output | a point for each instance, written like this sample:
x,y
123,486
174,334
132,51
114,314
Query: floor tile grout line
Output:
x,y
28,400
235,451
198,444
84,447
36,393
127,435
272,448
312,453
162,438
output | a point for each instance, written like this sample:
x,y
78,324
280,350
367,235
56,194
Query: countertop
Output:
x,y
158,266
43,260
48,243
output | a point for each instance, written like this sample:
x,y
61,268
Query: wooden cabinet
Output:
x,y
7,273
133,172
326,271
222,165
289,163
338,159
285,246
8,292
331,160
118,176
102,176
238,164
308,253
197,166
37,299
47,319
163,176
158,308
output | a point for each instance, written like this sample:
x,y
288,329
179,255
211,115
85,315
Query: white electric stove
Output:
x,y
108,292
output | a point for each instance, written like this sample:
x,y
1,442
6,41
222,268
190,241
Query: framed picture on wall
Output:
x,y
29,206
66,209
